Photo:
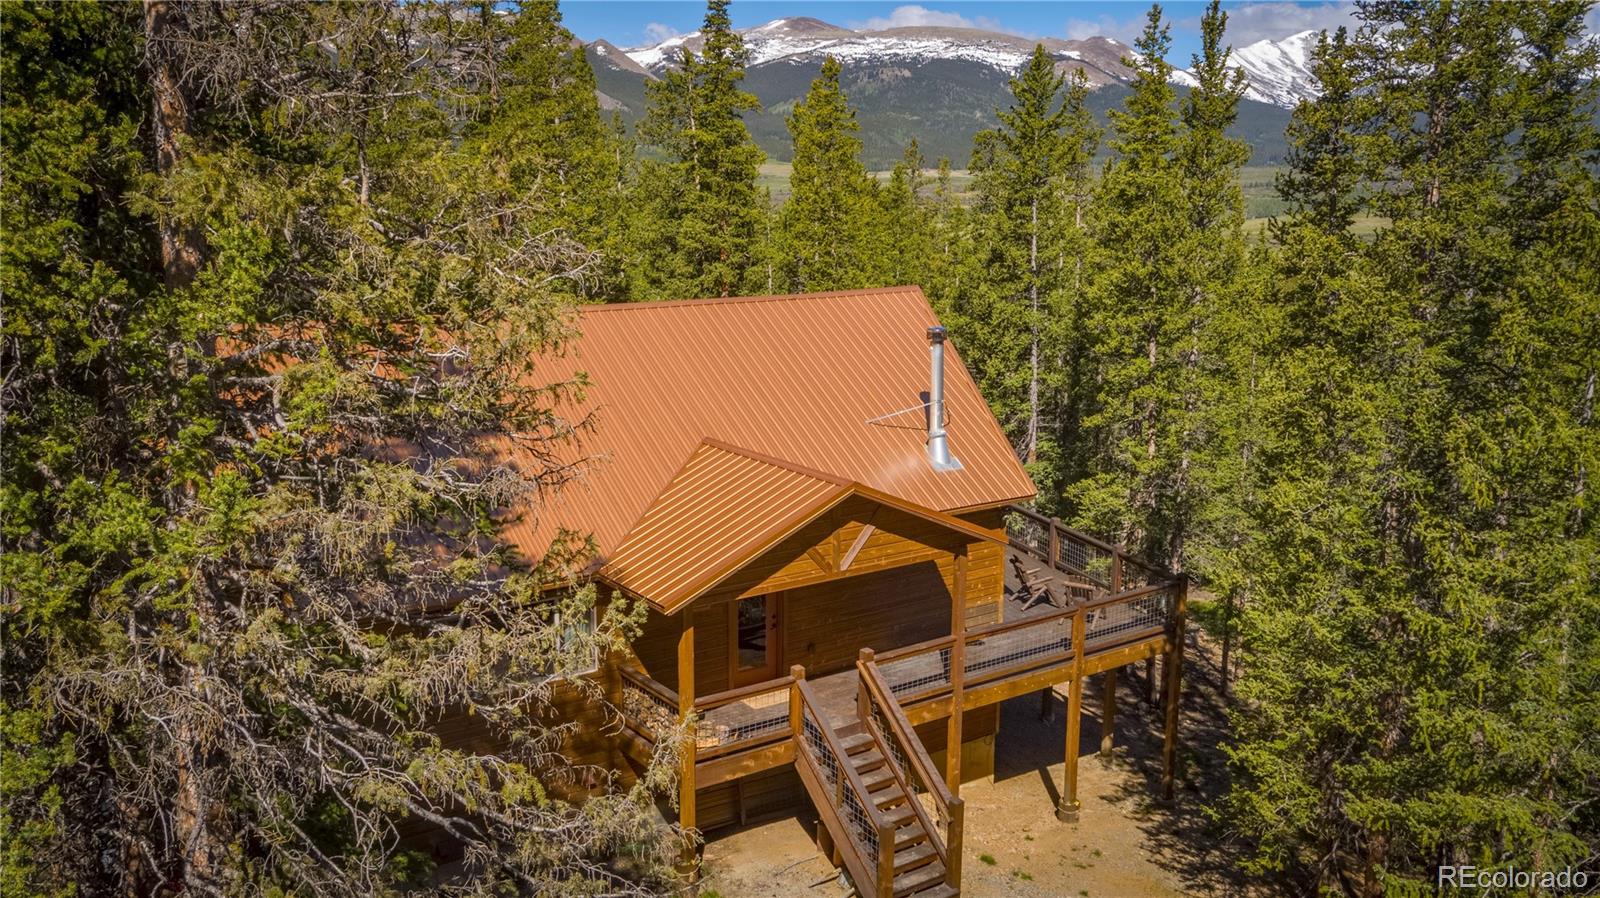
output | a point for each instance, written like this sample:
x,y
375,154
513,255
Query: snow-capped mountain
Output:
x,y
936,85
1279,71
802,40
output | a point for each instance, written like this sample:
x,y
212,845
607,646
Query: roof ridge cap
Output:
x,y
736,300
773,460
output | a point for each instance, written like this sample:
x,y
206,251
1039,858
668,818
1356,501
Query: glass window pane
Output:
x,y
752,635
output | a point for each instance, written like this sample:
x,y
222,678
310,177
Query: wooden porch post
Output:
x,y
1174,671
958,668
1108,716
1150,679
686,808
1067,811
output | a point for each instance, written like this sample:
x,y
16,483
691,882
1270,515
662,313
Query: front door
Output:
x,y
757,630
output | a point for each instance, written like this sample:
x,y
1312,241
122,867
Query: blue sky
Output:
x,y
631,22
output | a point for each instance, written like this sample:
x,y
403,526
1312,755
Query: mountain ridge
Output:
x,y
938,84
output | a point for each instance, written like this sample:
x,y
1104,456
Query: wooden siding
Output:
x,y
895,592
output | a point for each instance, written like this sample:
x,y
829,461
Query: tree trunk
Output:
x,y
1032,441
180,247
166,30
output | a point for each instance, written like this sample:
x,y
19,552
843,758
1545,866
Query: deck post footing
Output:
x,y
1067,812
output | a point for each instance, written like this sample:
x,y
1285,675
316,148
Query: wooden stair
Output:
x,y
918,873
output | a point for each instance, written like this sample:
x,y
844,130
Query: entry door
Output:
x,y
757,631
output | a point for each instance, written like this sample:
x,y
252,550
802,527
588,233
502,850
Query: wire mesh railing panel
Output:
x,y
1080,555
851,806
1030,533
1109,623
927,671
1017,649
648,713
878,718
749,719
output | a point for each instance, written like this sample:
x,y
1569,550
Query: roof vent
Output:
x,y
938,441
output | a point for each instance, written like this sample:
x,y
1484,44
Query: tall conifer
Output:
x,y
1017,314
1414,691
830,219
1141,225
704,200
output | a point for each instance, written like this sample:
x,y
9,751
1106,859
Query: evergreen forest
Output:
x,y
246,244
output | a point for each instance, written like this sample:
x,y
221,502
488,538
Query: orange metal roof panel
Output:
x,y
797,378
722,506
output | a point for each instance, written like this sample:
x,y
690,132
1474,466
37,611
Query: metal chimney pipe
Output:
x,y
938,442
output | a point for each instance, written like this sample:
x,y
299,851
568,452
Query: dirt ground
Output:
x,y
1127,843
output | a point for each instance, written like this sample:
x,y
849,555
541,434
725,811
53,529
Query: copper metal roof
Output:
x,y
724,507
799,379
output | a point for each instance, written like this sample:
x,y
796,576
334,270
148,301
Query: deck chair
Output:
x,y
1034,591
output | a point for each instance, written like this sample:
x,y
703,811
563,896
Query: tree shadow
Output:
x,y
1181,836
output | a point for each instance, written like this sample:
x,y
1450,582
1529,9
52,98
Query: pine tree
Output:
x,y
704,200
831,217
1414,691
1017,313
540,127
1204,484
1140,226
259,300
905,229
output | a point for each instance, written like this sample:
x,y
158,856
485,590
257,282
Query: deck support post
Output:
x,y
1174,682
1067,811
1150,679
1108,715
686,802
958,670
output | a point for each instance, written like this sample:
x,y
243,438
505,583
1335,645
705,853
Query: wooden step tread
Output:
x,y
856,744
880,778
907,836
937,890
900,815
913,857
869,760
888,798
918,880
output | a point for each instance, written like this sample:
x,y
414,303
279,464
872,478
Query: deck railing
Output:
x,y
755,716
939,811
649,708
1109,569
868,829
1012,647
744,718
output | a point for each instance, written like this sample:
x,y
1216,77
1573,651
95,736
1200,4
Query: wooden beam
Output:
x,y
717,771
1169,746
1124,654
855,547
958,655
686,782
1108,715
819,559
1067,811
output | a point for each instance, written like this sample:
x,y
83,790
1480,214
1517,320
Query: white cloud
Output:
x,y
658,32
1124,30
913,16
1253,22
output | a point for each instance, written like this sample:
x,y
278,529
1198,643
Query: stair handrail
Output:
x,y
882,866
947,845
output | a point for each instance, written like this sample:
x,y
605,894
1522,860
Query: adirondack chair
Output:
x,y
1034,590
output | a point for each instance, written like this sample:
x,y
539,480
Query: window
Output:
x,y
573,632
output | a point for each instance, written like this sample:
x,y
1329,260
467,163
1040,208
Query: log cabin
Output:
x,y
817,506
